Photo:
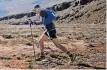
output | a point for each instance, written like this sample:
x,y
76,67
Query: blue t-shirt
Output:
x,y
47,16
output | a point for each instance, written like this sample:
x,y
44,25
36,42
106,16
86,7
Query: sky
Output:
x,y
9,7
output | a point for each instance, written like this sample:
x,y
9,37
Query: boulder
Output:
x,y
84,2
60,7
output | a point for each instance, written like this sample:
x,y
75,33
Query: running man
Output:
x,y
46,18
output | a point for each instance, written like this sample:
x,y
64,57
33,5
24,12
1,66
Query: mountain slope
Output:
x,y
80,27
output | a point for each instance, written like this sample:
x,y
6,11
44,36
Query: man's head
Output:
x,y
37,9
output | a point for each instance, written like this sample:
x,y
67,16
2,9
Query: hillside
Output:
x,y
81,27
12,19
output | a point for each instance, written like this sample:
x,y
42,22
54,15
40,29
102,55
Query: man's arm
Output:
x,y
38,22
35,20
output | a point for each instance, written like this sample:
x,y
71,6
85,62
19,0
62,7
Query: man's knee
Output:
x,y
55,41
41,41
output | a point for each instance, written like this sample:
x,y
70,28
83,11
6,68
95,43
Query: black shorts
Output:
x,y
51,31
51,34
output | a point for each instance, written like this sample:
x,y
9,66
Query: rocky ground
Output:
x,y
81,28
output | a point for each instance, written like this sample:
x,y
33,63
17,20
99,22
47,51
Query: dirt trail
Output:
x,y
21,56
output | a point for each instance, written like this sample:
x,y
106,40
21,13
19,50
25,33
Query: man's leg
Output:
x,y
71,56
43,38
53,37
61,47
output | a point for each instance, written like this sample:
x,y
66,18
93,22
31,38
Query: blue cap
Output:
x,y
37,6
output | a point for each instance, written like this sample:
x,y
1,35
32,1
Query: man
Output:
x,y
46,18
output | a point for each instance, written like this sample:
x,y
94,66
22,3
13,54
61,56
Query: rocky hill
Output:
x,y
81,27
58,7
83,13
87,20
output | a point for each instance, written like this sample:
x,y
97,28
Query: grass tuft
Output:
x,y
7,36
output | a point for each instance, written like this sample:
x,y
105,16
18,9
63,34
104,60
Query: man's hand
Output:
x,y
33,22
30,22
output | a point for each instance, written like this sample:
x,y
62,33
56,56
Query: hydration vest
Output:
x,y
51,16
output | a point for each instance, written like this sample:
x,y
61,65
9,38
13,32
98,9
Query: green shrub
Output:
x,y
7,36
